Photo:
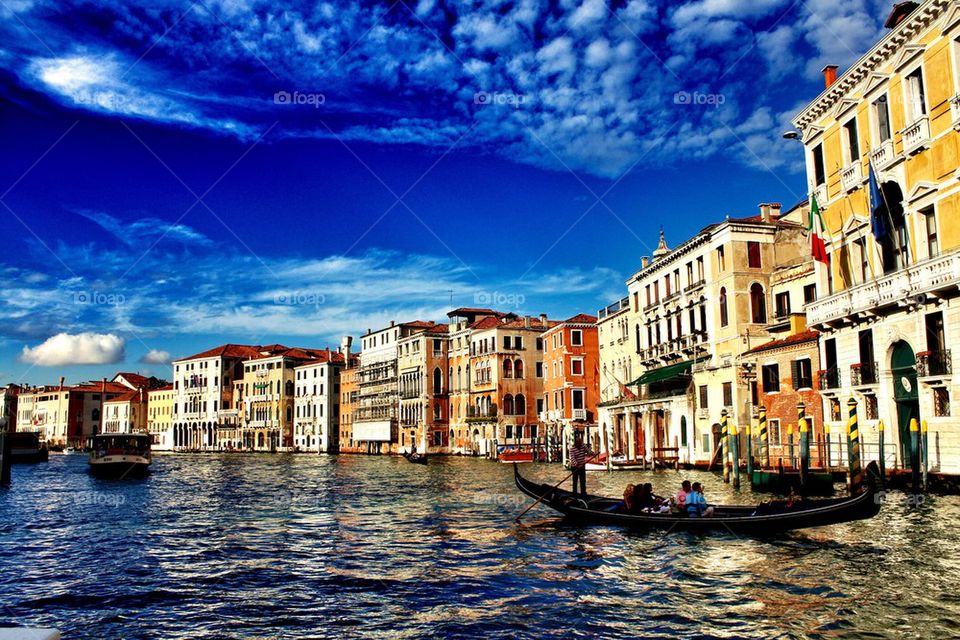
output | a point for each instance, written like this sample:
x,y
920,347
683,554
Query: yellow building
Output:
x,y
889,307
160,418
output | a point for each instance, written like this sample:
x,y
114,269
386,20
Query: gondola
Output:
x,y
416,458
754,520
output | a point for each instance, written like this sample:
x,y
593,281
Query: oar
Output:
x,y
556,486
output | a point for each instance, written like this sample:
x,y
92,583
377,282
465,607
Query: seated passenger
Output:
x,y
624,505
697,506
643,500
682,494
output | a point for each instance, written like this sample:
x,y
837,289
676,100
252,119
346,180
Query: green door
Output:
x,y
904,368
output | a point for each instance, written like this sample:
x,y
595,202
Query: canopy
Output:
x,y
664,373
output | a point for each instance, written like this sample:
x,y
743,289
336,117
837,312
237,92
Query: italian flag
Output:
x,y
817,230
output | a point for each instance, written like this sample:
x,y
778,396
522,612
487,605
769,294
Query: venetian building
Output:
x,y
881,144
425,372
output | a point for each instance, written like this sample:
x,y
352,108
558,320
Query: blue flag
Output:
x,y
877,218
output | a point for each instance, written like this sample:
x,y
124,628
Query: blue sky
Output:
x,y
180,174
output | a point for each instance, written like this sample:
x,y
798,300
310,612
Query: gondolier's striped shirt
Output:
x,y
579,454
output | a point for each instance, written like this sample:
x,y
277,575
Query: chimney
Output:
x,y
829,75
775,208
644,262
543,319
393,322
765,212
526,322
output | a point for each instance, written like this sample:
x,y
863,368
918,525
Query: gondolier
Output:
x,y
579,455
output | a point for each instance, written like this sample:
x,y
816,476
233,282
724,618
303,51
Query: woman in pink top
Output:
x,y
682,494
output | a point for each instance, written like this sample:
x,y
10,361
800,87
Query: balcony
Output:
x,y
932,364
916,137
899,289
864,374
851,176
829,379
670,297
475,414
820,191
883,156
955,111
699,284
579,414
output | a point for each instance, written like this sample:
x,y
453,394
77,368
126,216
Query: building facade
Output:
x,y
349,395
423,363
316,405
126,413
571,379
890,306
9,396
160,417
66,415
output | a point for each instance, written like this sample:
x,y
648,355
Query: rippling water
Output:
x,y
312,546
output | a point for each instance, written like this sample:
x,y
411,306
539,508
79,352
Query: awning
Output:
x,y
664,373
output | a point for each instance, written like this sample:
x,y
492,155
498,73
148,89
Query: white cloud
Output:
x,y
144,231
155,356
84,348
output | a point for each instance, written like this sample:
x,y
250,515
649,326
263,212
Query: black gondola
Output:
x,y
595,510
416,458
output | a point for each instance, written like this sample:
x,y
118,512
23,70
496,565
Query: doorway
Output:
x,y
903,364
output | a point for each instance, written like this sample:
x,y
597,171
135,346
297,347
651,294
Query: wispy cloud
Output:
x,y
143,232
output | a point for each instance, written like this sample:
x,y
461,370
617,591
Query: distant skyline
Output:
x,y
181,174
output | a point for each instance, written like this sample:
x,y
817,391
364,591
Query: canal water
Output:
x,y
251,546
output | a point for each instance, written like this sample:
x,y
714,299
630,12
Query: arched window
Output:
x,y
459,378
679,319
518,368
724,317
758,304
289,387
638,337
508,405
437,381
437,413
508,368
289,414
520,405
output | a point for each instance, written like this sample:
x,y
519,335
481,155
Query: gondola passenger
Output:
x,y
697,506
681,498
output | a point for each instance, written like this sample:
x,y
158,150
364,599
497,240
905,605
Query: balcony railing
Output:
x,y
916,136
820,191
883,156
695,285
934,363
829,379
901,287
671,296
481,415
863,374
851,176
579,414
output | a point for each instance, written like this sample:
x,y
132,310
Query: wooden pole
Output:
x,y
724,442
826,444
749,433
915,454
764,437
804,442
853,447
735,454
883,454
791,456
924,445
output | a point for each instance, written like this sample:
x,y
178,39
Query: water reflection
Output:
x,y
304,546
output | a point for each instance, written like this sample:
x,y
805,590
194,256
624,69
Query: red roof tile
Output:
x,y
582,318
798,338
231,351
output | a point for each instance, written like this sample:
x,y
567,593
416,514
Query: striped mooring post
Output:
x,y
915,454
853,446
883,457
804,441
764,438
735,454
749,433
924,444
725,446
790,449
826,446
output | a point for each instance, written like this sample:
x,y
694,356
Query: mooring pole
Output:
x,y
804,442
826,445
883,456
853,446
764,438
725,445
735,450
793,459
915,454
924,444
